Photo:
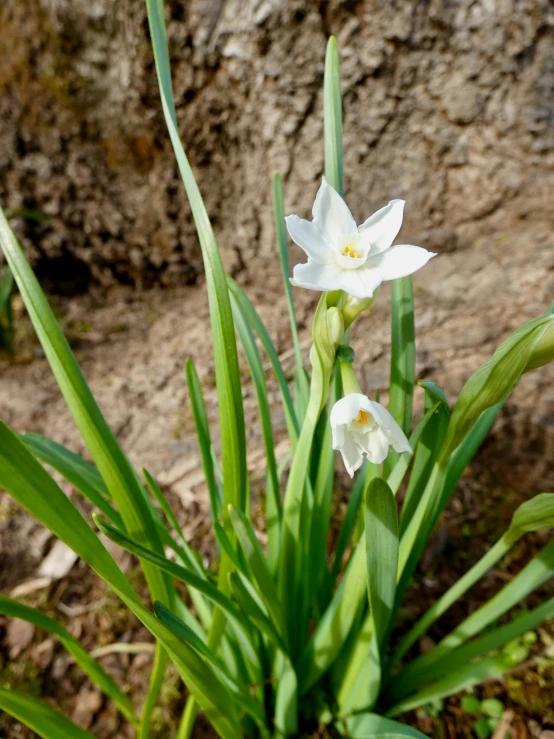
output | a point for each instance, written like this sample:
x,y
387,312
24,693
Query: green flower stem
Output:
x,y
291,544
350,382
161,658
408,540
496,553
187,719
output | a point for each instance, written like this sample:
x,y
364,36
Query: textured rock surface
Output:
x,y
447,104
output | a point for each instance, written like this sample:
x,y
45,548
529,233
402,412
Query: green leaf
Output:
x,y
282,244
332,118
336,623
497,377
434,394
425,458
258,565
381,540
82,475
463,678
534,574
184,551
257,324
470,704
90,666
184,574
39,716
492,707
491,641
254,609
184,632
536,514
23,477
402,377
372,726
231,414
203,435
381,545
349,523
274,512
129,496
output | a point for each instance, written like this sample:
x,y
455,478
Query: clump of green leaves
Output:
x,y
283,637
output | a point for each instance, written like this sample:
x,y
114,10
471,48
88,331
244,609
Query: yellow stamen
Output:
x,y
350,251
362,418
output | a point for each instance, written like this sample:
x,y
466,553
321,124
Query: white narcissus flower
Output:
x,y
363,427
343,256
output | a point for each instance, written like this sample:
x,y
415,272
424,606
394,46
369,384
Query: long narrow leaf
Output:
x,y
332,118
273,500
282,245
120,478
23,477
203,435
10,607
532,576
402,378
39,716
82,475
262,333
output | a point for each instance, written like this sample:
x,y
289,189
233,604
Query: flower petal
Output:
x,y
376,446
382,227
331,214
392,430
346,409
309,238
399,261
360,283
314,276
352,455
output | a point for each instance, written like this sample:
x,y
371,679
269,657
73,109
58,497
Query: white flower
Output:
x,y
362,426
342,256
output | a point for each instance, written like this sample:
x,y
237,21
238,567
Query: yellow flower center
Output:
x,y
362,418
350,251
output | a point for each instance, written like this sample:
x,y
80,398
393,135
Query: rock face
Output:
x,y
448,104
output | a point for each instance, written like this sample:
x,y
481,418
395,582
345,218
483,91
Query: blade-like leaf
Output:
x,y
464,678
350,518
129,496
178,627
39,716
282,244
495,639
533,515
257,324
381,545
332,118
402,377
203,435
258,565
381,540
496,378
532,576
82,475
372,726
10,607
273,499
231,414
23,477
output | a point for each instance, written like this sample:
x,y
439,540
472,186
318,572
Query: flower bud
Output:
x,y
336,325
354,306
543,349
